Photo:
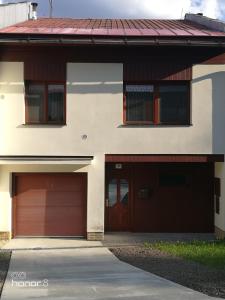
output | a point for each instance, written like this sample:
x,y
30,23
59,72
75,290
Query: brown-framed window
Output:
x,y
157,103
172,179
45,102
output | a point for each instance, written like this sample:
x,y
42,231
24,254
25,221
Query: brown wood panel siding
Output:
x,y
45,70
142,71
174,208
218,59
150,54
122,158
50,204
157,205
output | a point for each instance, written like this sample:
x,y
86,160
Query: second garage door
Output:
x,y
49,204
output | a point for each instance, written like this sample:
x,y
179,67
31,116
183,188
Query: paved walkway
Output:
x,y
85,274
111,240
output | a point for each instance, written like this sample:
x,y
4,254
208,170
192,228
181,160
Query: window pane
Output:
x,y
124,190
139,103
173,104
35,102
112,192
170,180
55,103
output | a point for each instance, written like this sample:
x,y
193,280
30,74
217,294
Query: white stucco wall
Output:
x,y
95,191
5,201
95,108
208,80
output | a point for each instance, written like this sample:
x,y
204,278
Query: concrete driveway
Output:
x,y
49,243
88,273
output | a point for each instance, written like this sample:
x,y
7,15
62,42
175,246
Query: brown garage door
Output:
x,y
49,204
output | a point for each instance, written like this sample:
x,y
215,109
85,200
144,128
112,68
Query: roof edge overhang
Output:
x,y
33,159
164,158
117,41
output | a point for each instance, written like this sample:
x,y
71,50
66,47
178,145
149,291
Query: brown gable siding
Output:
x,y
140,63
202,158
45,70
181,56
142,71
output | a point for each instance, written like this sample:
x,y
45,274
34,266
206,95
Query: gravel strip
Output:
x,y
187,273
4,266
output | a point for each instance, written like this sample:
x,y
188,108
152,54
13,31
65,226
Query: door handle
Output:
x,y
107,202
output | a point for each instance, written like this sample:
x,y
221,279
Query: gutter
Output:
x,y
44,158
216,42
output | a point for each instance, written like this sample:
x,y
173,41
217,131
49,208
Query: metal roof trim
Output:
x,y
44,158
104,40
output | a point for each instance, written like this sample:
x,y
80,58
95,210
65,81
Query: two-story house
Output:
x,y
112,125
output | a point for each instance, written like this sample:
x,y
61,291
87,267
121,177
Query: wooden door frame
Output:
x,y
14,198
120,174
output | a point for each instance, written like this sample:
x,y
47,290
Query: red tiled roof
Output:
x,y
112,27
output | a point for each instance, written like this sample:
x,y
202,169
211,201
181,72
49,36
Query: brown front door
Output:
x,y
50,204
117,203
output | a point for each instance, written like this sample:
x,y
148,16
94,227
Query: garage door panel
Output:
x,y
37,230
48,204
43,213
51,199
68,184
68,197
51,182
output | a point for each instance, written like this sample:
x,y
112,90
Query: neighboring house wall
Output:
x,y
211,78
12,13
220,218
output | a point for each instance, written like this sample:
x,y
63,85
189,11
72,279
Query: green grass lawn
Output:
x,y
208,253
4,257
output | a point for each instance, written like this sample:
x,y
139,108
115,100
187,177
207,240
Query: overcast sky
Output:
x,y
130,8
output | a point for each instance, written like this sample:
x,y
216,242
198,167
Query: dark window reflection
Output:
x,y
124,190
55,103
112,192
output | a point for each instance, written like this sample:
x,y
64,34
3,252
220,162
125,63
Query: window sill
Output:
x,y
47,125
142,125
